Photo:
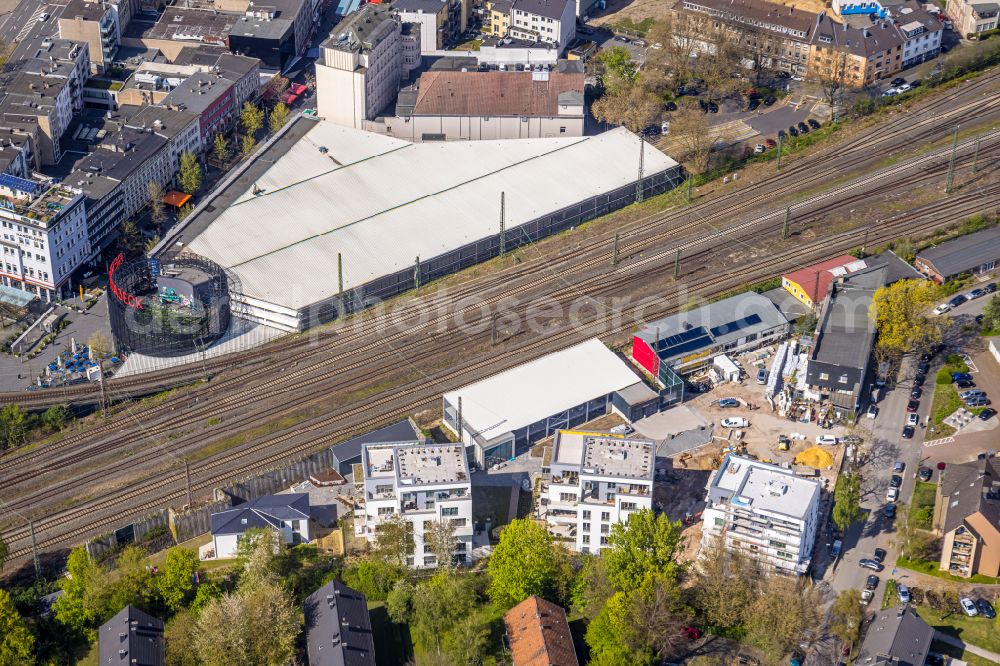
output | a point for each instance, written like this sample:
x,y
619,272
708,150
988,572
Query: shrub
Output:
x,y
943,377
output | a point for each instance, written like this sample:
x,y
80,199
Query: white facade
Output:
x,y
422,484
290,532
360,68
43,234
426,24
527,23
597,480
923,36
764,511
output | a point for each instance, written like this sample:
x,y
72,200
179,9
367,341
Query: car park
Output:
x,y
892,495
908,432
895,481
826,439
870,564
871,582
903,593
957,300
985,608
735,422
889,511
913,405
879,555
968,607
912,420
813,123
729,402
942,308
987,414
924,474
898,467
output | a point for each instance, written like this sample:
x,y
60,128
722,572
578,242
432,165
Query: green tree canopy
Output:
x,y
179,637
846,616
900,313
278,118
17,643
251,118
727,585
592,587
646,545
394,540
56,417
373,577
258,624
991,314
189,177
619,68
131,581
846,501
780,615
439,604
527,561
247,144
85,603
220,148
13,426
176,581
609,634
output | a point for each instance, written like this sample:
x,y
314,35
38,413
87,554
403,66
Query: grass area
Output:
x,y
889,597
242,438
471,45
923,499
392,641
491,503
945,402
978,631
959,653
930,567
633,28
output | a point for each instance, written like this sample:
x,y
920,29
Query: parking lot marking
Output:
x,y
937,442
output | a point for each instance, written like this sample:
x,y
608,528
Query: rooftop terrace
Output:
x,y
431,465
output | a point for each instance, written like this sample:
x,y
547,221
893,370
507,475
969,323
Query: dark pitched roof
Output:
x,y
896,268
266,511
971,488
770,16
401,432
896,633
131,638
965,253
539,634
338,628
864,42
552,9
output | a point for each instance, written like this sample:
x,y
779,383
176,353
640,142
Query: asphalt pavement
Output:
x,y
24,26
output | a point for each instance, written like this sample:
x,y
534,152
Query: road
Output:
x,y
24,26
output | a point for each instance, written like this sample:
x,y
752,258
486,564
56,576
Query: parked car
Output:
x,y
671,106
924,474
899,467
803,127
759,148
908,432
965,383
913,405
621,38
987,414
770,143
912,420
871,582
872,411
769,100
918,379
975,293
892,495
753,103
813,123
891,92
957,300
793,131
866,596
916,392
623,429
985,608
971,393
991,287
692,633
895,481
898,81
837,546
639,42
735,422
729,402
903,593
978,401
889,510
870,564
879,555
958,376
762,376
968,607
906,87
713,107
782,134
826,439
941,309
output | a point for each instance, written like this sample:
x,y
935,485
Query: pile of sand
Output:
x,y
816,457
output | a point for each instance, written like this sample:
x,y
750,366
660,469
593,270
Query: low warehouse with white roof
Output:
x,y
324,200
502,415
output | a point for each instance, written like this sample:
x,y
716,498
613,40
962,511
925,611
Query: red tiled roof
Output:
x,y
806,277
493,93
539,634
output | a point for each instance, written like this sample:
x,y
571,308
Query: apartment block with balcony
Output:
x,y
597,480
972,18
764,511
62,59
42,106
95,23
547,21
967,518
423,485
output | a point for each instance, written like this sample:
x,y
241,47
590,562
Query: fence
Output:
x,y
103,546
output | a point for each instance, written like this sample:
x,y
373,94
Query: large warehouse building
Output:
x,y
502,415
325,204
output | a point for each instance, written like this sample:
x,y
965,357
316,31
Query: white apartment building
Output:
x,y
43,235
549,21
360,67
598,479
764,511
423,484
922,32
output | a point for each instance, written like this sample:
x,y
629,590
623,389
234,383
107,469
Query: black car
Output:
x,y
918,379
925,474
782,134
803,128
923,367
671,106
985,608
652,130
872,582
782,75
753,103
912,406
987,414
898,81
991,287
965,383
813,123
769,100
889,510
793,131
908,432
703,105
914,83
713,107
957,300
916,392
879,555
896,481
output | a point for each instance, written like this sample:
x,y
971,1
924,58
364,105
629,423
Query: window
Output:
x,y
586,527
429,560
449,511
562,130
604,529
719,522
843,379
586,515
567,497
823,376
775,544
385,511
785,555
604,541
605,515
586,538
628,506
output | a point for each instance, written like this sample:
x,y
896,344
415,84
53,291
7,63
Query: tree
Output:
x,y
629,105
846,501
17,643
658,615
593,587
179,636
439,603
257,552
13,426
131,581
399,603
610,635
129,238
247,145
57,416
467,640
780,615
440,539
991,314
527,561
899,311
727,585
394,540
85,603
620,71
373,577
176,581
846,616
220,148
157,209
189,176
694,136
4,552
251,118
257,624
278,118
99,343
647,544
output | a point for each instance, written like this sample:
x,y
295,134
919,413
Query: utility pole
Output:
x,y
690,183
34,550
642,156
951,163
614,257
503,222
677,263
187,475
781,144
864,244
975,159
784,228
416,273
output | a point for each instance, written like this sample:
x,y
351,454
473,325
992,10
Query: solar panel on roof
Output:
x,y
18,184
684,347
737,325
683,336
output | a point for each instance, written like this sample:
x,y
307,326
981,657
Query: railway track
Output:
x,y
219,467
934,122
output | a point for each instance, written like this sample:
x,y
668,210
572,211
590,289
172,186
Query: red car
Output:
x,y
693,633
770,143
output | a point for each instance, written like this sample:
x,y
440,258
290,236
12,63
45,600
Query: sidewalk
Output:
x,y
957,642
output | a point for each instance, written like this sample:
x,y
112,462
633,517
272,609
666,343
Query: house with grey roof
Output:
x,y
286,514
131,638
972,254
338,627
896,637
967,518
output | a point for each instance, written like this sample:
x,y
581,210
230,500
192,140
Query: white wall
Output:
x,y
477,128
340,96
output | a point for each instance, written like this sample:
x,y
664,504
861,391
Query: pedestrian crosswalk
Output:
x,y
26,30
937,442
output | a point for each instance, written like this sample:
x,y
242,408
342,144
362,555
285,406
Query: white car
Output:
x,y
941,309
912,420
826,439
735,422
892,495
891,92
665,127
968,607
904,88
759,148
872,411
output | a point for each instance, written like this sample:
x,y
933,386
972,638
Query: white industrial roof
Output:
x,y
380,202
539,389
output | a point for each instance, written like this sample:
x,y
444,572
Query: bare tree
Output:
x,y
631,106
690,129
440,538
831,75
157,209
